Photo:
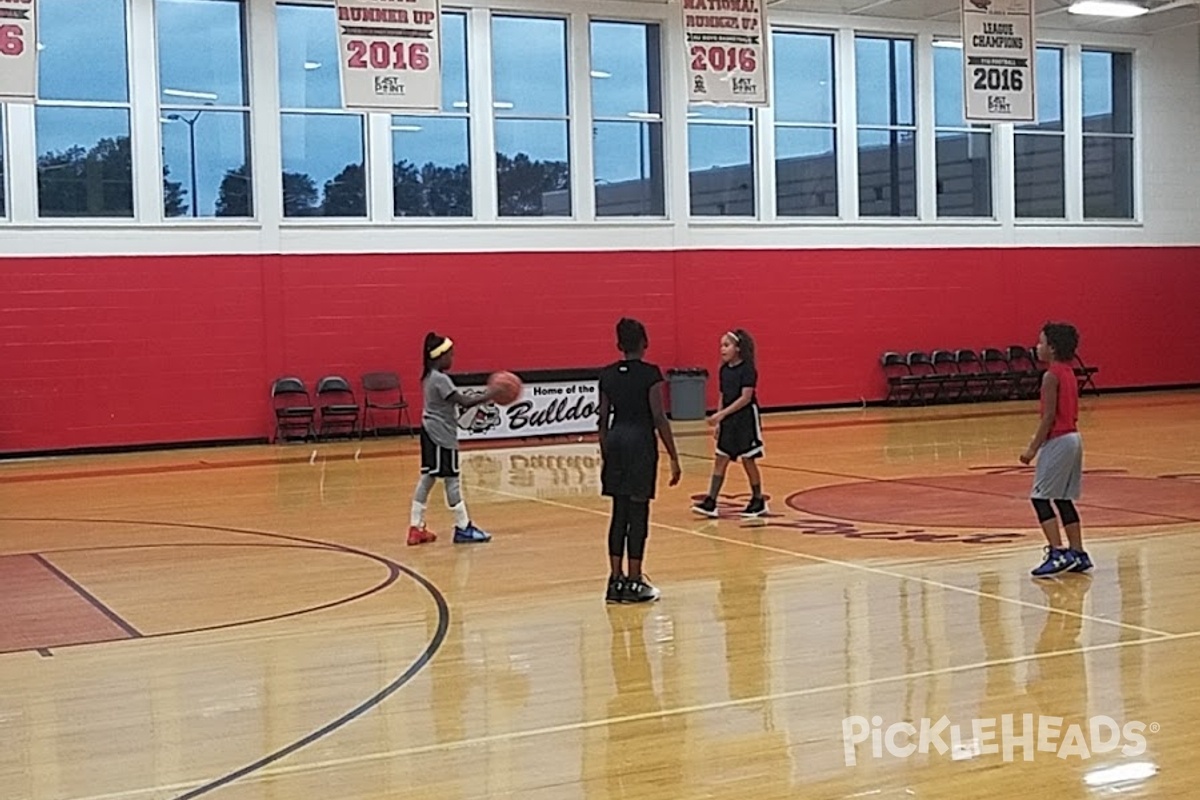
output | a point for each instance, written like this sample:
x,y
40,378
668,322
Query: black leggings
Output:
x,y
1066,510
630,524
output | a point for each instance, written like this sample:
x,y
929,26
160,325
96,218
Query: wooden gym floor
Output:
x,y
247,623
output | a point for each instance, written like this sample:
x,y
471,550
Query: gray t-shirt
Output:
x,y
440,417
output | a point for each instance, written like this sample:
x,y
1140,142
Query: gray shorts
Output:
x,y
1059,469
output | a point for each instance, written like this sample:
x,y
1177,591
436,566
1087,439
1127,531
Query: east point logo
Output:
x,y
903,739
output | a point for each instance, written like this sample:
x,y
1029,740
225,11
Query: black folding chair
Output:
x,y
337,404
927,383
382,392
953,384
293,407
1084,374
1023,362
977,382
896,370
1003,380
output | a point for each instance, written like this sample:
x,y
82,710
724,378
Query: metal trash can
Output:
x,y
687,392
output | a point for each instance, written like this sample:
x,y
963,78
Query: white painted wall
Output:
x,y
1168,174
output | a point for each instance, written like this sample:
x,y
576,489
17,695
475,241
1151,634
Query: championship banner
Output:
x,y
391,55
550,408
18,51
726,51
998,61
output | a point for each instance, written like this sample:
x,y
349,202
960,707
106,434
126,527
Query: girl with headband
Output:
x,y
439,443
738,425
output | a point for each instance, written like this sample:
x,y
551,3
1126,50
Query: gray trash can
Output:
x,y
687,392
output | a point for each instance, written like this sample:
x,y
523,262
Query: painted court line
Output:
x,y
92,600
570,727
1005,550
848,565
1117,457
921,482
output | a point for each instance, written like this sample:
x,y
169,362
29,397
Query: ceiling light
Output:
x,y
189,94
950,44
311,65
599,73
1107,8
407,128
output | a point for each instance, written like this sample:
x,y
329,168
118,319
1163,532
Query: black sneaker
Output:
x,y
706,507
639,590
756,508
616,589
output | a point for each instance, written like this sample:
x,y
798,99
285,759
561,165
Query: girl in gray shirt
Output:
x,y
439,443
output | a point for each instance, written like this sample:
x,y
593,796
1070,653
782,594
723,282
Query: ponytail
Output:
x,y
432,342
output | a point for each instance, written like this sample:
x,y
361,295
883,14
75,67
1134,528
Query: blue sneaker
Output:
x,y
1057,561
470,535
1082,562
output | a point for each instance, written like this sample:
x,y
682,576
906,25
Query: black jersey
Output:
x,y
627,385
736,378
631,454
740,435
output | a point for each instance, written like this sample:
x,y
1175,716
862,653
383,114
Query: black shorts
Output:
x,y
440,462
740,436
630,463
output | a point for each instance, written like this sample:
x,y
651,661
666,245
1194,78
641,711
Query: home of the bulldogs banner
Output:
x,y
545,408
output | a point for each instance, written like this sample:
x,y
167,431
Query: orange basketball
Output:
x,y
507,387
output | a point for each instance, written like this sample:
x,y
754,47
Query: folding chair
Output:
x,y
337,404
977,382
1023,362
953,384
382,392
927,383
895,370
1004,382
293,407
1084,374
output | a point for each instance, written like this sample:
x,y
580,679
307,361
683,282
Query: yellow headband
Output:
x,y
441,349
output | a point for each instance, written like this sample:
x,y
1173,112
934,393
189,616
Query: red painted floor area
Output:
x,y
1000,501
39,610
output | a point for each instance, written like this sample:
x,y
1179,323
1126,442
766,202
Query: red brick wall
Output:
x,y
119,351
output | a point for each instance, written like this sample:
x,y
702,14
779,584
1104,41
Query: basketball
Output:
x,y
506,386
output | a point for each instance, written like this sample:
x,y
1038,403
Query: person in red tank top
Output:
x,y
1058,448
1066,406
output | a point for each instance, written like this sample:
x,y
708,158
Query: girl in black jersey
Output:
x,y
739,428
631,411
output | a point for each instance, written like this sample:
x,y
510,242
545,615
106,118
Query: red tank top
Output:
x,y
1066,413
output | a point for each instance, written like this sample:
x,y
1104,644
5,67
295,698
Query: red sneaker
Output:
x,y
420,536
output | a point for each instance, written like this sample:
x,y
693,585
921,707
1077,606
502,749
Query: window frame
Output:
x,y
136,151
1132,137
467,114
661,79
245,108
366,128
968,129
915,129
836,126
572,111
1062,133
